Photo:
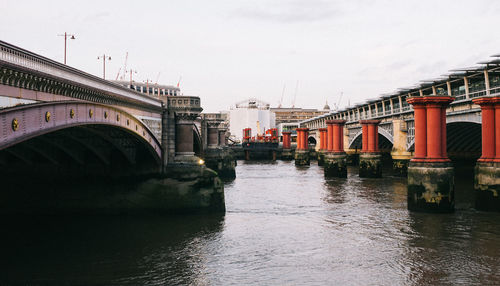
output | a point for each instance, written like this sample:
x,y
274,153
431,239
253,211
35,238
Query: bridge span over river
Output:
x,y
421,127
60,126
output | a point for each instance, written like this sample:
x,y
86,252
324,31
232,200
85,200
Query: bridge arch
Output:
x,y
463,136
385,139
92,138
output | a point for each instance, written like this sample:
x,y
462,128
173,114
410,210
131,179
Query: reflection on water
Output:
x,y
284,225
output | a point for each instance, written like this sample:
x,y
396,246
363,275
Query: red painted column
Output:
x,y
336,141
340,136
420,119
302,134
497,130
370,135
434,130
489,134
329,135
364,138
305,139
322,139
371,138
286,140
430,127
299,139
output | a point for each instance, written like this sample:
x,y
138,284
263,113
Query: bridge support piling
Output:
x,y
335,164
370,160
322,146
487,170
287,153
431,185
217,156
302,151
400,157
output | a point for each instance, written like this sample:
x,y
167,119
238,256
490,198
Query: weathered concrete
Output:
x,y
400,167
302,157
335,165
487,186
287,154
221,160
431,187
183,189
370,165
321,157
401,157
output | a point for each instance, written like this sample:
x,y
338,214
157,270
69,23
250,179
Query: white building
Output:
x,y
251,113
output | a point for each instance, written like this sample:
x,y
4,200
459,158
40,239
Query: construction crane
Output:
x,y
179,82
124,67
282,95
157,77
295,96
118,74
338,102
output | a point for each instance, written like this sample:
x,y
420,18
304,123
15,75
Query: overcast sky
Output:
x,y
228,50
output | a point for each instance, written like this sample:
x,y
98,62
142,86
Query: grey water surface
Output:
x,y
284,225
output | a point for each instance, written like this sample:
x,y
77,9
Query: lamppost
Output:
x,y
104,58
66,35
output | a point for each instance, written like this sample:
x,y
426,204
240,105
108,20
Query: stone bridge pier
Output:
x,y
322,146
287,153
302,151
487,170
430,173
335,159
370,163
217,156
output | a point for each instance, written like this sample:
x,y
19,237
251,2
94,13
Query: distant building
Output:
x,y
293,115
250,113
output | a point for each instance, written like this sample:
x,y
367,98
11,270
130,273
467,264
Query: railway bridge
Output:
x,y
456,116
62,128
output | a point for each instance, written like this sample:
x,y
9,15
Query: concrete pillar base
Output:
x,y
335,165
287,154
188,159
431,187
400,167
487,186
321,158
302,157
222,161
370,165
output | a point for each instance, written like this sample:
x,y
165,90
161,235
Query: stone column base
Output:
x,y
370,165
302,157
400,167
287,154
321,158
335,165
222,161
431,187
487,186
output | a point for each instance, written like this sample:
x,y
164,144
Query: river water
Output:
x,y
284,225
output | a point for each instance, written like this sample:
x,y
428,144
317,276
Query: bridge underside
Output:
x,y
79,152
78,167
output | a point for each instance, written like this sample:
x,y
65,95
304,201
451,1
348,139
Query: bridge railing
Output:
x,y
30,61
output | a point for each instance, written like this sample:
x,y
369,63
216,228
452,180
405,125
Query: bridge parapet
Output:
x,y
22,68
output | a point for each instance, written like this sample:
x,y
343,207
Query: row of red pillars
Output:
x,y
490,128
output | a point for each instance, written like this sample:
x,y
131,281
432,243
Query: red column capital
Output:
x,y
490,130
